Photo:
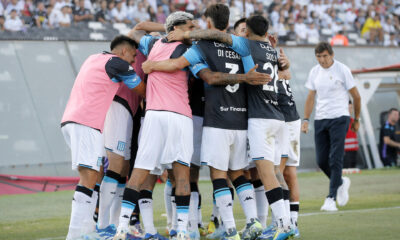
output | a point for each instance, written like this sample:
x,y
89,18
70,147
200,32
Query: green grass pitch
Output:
x,y
373,211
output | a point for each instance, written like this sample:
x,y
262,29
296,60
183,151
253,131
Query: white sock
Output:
x,y
193,211
275,199
182,212
167,202
294,212
262,205
108,191
286,194
80,212
246,195
223,199
115,208
146,210
129,202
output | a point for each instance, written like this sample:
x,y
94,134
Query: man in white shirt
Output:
x,y
13,23
330,83
300,29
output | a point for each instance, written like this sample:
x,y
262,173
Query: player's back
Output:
x,y
263,99
167,91
225,105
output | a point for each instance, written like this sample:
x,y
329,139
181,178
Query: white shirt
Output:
x,y
1,9
13,24
301,30
119,15
331,86
312,33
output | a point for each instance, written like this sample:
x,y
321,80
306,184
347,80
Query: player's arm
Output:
x,y
357,108
143,28
218,78
390,142
285,74
170,65
120,71
308,107
200,34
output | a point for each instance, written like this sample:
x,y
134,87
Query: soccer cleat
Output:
x,y
194,235
231,234
172,233
136,230
217,234
101,234
156,236
202,230
121,234
211,227
181,235
296,233
329,205
268,233
282,235
342,195
253,230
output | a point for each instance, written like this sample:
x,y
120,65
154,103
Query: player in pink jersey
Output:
x,y
82,125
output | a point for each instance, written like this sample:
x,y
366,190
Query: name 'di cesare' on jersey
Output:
x,y
225,105
286,101
263,99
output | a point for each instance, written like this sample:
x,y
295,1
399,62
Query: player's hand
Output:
x,y
256,78
176,35
273,39
355,125
283,59
147,66
304,127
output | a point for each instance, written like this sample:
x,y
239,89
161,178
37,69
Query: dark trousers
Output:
x,y
330,135
350,159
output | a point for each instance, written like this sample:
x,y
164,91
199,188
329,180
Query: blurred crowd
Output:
x,y
299,21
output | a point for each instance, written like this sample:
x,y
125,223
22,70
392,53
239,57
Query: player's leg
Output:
x,y
146,206
262,150
215,152
182,196
149,153
194,203
86,151
168,203
261,200
244,189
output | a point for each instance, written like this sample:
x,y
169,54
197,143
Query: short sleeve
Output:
x,y
386,130
349,82
145,43
310,80
240,45
197,68
193,55
179,51
121,71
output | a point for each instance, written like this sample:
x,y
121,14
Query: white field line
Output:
x,y
300,215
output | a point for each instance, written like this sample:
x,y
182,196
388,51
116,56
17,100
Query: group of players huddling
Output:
x,y
222,100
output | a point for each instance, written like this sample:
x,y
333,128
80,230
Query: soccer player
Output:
x,y
329,84
82,124
265,118
224,142
167,135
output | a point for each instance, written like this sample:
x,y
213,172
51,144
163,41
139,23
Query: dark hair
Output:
x,y
238,22
322,46
258,25
392,110
121,39
219,14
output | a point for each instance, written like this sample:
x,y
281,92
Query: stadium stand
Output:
x,y
297,22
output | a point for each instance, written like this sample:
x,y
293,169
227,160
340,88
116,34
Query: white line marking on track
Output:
x,y
300,215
